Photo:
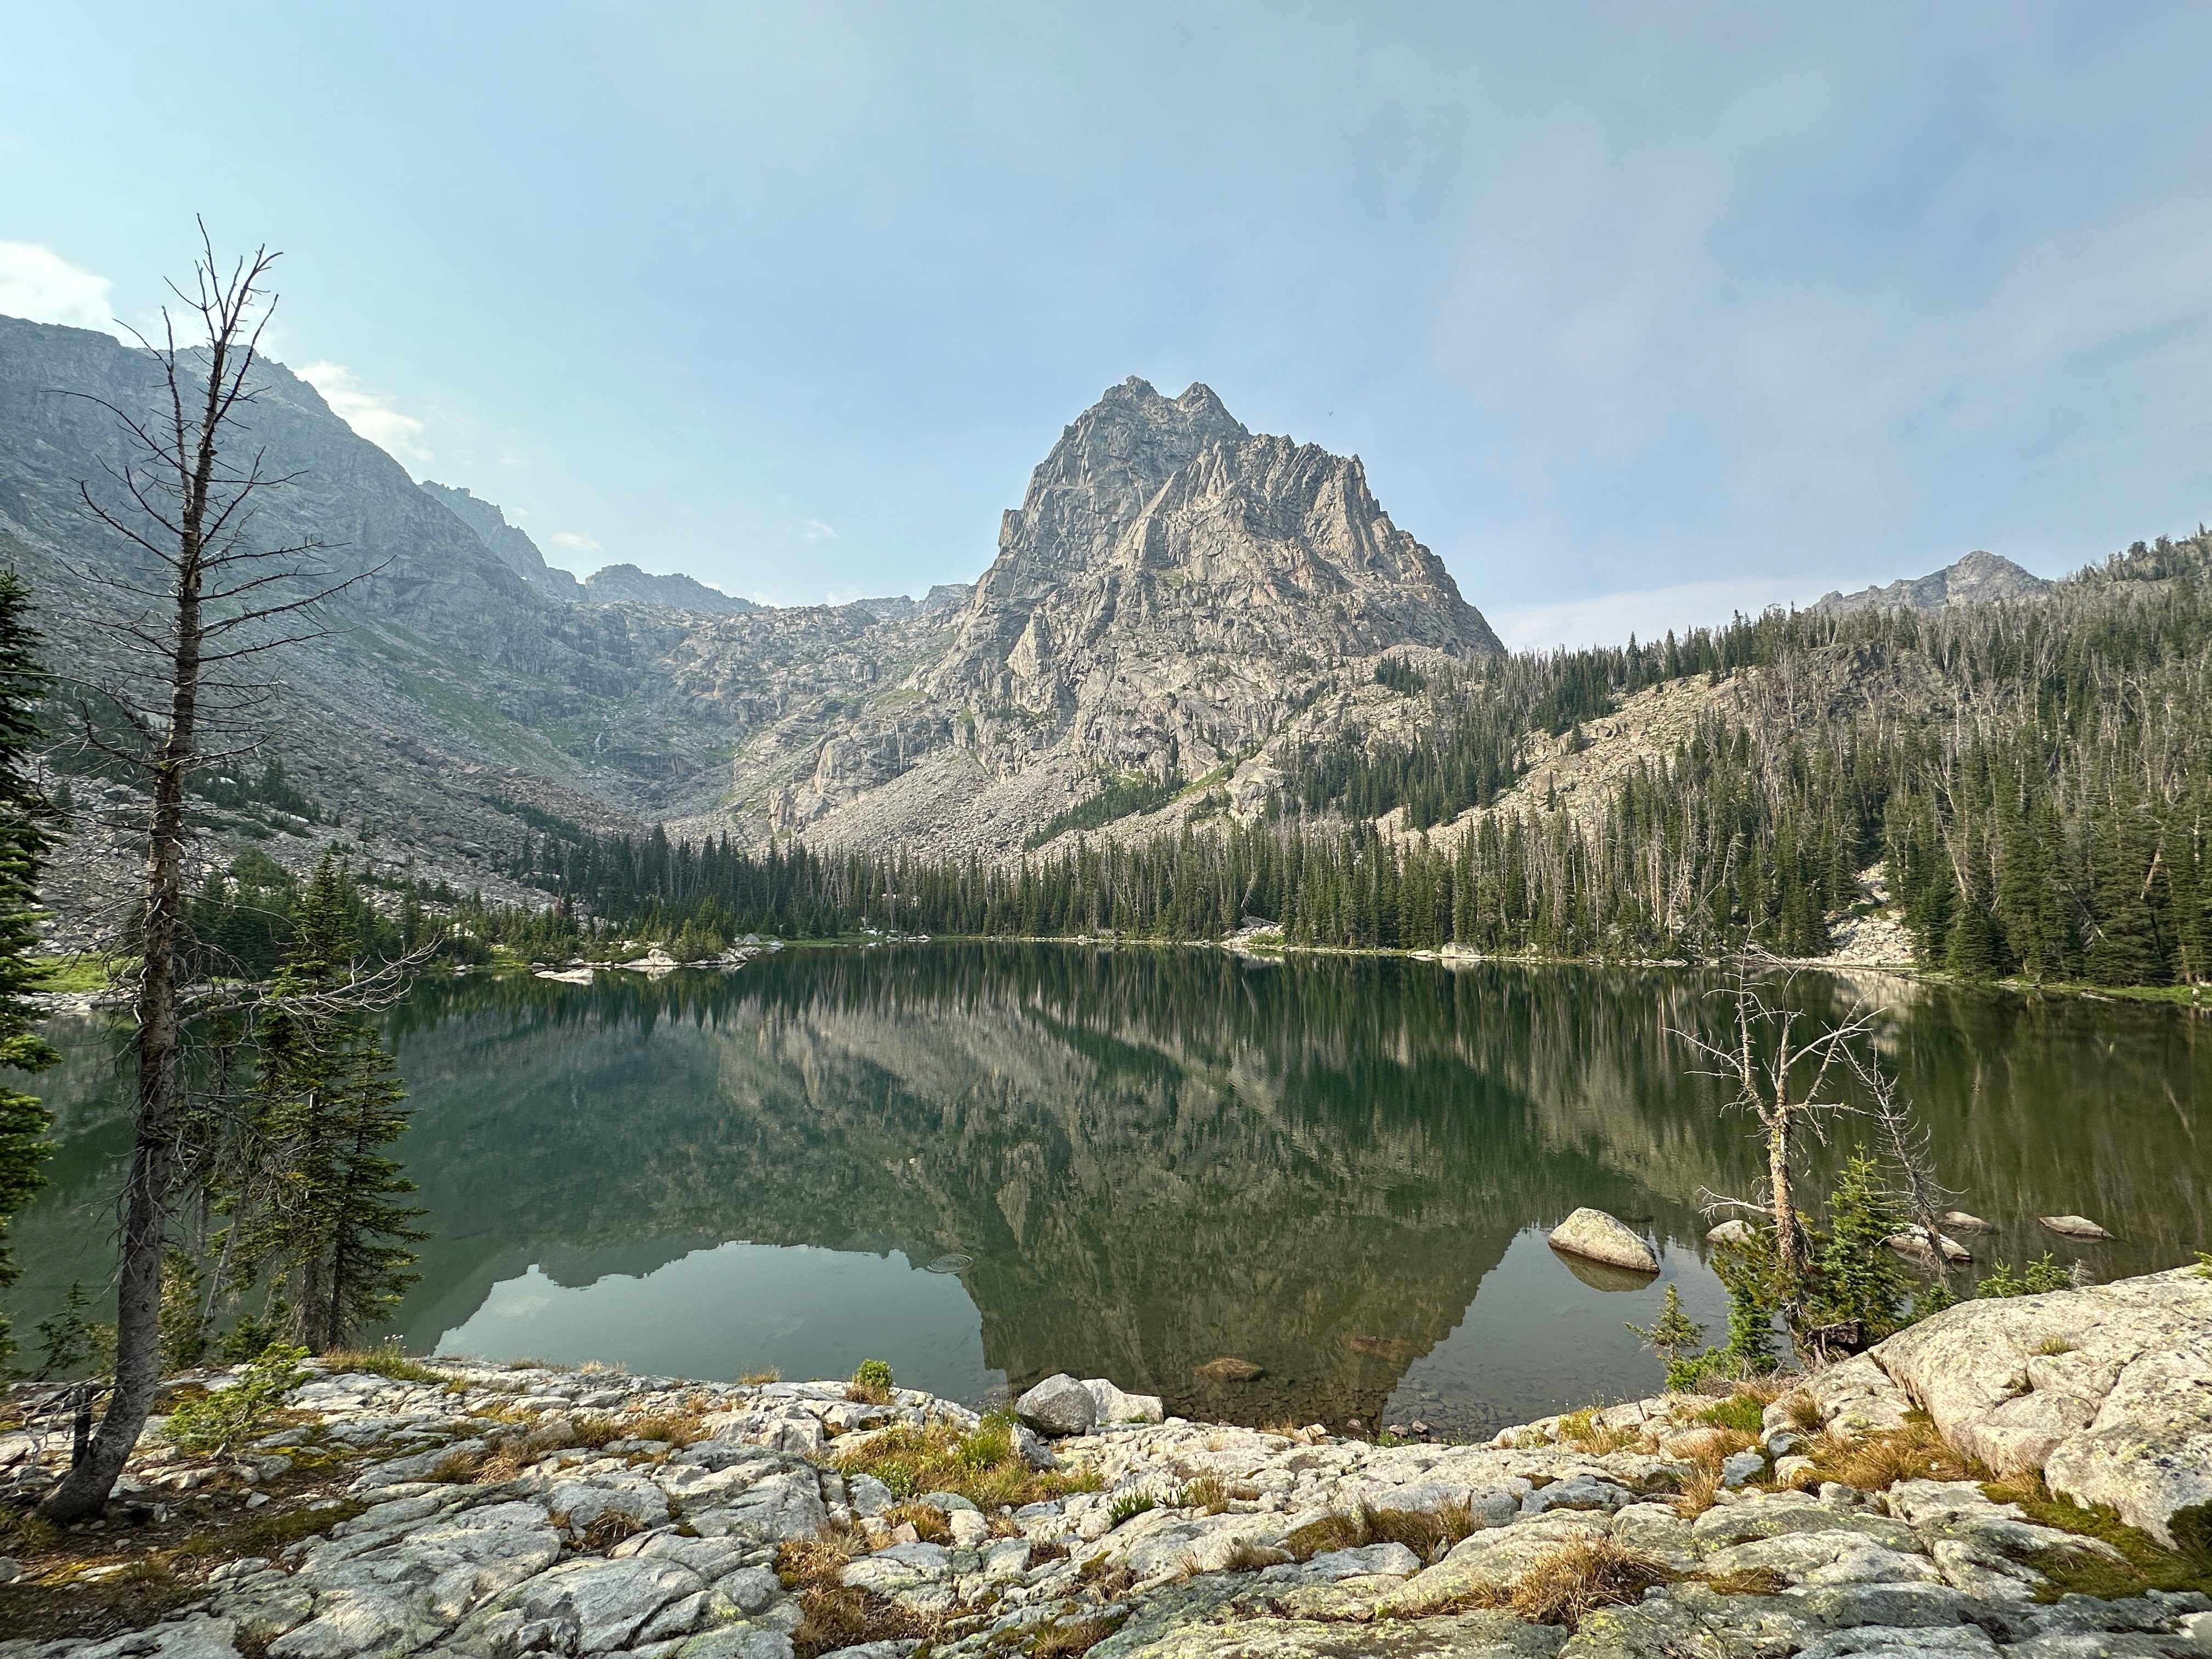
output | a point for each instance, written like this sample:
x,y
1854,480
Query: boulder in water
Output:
x,y
1913,1242
1596,1237
1959,1222
1734,1231
2074,1226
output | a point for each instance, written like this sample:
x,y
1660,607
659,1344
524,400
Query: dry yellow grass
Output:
x,y
1874,1462
1567,1584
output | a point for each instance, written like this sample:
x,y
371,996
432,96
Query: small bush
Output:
x,y
759,1379
214,1423
1678,1339
871,1384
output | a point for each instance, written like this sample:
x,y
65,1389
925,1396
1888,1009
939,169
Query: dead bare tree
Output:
x,y
1781,1062
186,498
1907,1143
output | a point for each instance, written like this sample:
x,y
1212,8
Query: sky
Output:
x,y
1637,314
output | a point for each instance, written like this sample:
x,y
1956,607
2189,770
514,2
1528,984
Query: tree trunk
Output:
x,y
84,1492
1785,1199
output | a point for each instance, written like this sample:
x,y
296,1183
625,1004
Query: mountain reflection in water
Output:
x,y
1338,1170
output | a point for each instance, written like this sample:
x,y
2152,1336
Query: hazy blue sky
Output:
x,y
1635,312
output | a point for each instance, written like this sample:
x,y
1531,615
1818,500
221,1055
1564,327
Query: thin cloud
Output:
x,y
37,282
371,414
575,541
813,530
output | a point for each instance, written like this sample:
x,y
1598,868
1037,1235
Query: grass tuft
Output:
x,y
1071,1639
1427,1533
386,1360
1875,1463
1754,1581
1567,1585
1130,1505
1744,1412
983,1467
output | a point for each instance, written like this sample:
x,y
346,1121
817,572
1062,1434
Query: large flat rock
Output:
x,y
2105,1390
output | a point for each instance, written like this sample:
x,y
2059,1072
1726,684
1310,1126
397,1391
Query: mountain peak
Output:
x,y
1979,576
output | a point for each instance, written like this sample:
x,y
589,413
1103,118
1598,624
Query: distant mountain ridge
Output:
x,y
612,584
1979,577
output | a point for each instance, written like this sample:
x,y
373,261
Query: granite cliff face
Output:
x,y
1173,590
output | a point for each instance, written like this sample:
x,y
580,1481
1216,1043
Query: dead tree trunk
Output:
x,y
190,501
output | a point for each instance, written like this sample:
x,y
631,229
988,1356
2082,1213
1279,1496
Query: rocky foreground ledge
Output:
x,y
1912,1502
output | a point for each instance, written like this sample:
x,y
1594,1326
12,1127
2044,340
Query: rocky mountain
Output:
x,y
616,584
613,584
944,595
1176,598
509,542
1173,594
1979,576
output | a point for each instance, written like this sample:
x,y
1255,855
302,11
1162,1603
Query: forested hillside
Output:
x,y
2034,778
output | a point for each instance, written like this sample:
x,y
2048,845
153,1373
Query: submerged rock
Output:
x,y
1596,1237
1229,1369
2074,1226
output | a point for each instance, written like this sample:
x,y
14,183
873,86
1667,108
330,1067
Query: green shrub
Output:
x,y
872,1383
214,1423
1129,1504
2041,1276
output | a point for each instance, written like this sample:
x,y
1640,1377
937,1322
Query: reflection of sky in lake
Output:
x,y
718,1314
1539,1339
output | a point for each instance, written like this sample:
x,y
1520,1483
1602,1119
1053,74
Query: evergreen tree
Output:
x,y
23,843
326,1229
1856,1275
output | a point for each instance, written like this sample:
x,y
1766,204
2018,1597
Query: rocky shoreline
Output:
x,y
463,1509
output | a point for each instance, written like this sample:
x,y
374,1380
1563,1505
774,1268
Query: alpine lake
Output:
x,y
985,1163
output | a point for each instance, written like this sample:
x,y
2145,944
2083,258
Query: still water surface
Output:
x,y
986,1163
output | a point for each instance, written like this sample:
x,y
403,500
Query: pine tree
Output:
x,y
327,1104
1855,1274
369,1262
24,839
